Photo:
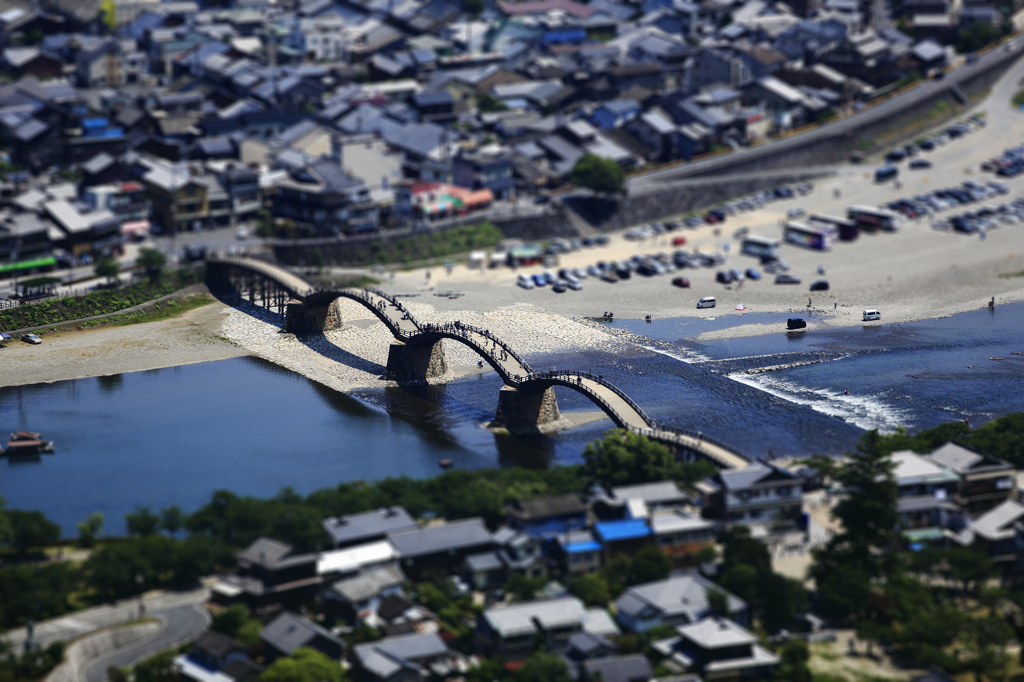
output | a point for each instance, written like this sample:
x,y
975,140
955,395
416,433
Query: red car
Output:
x,y
679,241
681,282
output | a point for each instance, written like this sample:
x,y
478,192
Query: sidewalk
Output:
x,y
80,623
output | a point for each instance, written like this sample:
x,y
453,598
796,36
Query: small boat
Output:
x,y
27,443
796,324
446,463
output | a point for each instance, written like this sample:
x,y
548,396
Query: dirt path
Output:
x,y
193,337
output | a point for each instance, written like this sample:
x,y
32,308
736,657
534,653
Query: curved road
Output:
x,y
177,625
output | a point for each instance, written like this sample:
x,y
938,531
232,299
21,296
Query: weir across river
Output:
x,y
526,401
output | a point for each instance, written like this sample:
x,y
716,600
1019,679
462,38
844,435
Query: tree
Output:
x,y
90,529
986,640
264,223
542,667
31,529
524,588
6,532
793,667
304,665
142,522
153,261
108,267
474,7
231,620
626,458
488,103
968,567
591,588
718,602
598,174
172,519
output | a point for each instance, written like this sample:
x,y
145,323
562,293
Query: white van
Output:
x,y
871,315
707,302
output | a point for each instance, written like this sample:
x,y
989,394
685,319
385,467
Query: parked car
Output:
x,y
741,233
920,164
559,287
753,274
601,240
820,285
31,338
679,241
540,280
724,277
574,284
785,278
795,213
682,282
525,282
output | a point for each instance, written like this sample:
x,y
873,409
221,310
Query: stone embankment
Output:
x,y
93,647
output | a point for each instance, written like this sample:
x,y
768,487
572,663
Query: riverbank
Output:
x,y
183,340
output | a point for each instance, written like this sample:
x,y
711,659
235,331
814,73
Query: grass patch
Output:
x,y
1018,99
1009,275
57,310
165,311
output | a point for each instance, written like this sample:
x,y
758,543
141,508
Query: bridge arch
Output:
x,y
527,399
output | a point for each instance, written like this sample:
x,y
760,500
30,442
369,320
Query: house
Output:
x,y
917,476
718,649
615,113
631,668
758,494
269,572
289,632
106,61
656,130
82,229
212,656
396,615
403,658
514,553
985,481
634,501
680,534
998,532
576,552
357,529
547,516
25,238
353,596
352,561
625,536
587,645
444,546
320,193
489,168
512,631
32,61
435,106
677,600
126,200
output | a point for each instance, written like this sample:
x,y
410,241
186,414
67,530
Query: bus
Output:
x,y
817,236
886,173
868,218
848,230
760,247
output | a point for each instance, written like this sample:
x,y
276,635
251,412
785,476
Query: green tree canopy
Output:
x,y
90,529
172,519
599,174
626,458
591,588
795,656
542,667
153,261
31,529
108,267
142,522
304,665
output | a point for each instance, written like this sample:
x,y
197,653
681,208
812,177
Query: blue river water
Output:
x,y
175,435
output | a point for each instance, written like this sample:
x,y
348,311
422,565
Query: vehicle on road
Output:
x,y
895,156
821,236
525,282
608,276
795,213
241,233
574,284
31,338
795,323
707,302
820,285
679,241
540,280
602,240
870,314
724,277
886,173
920,164
752,273
559,287
785,278
741,233
682,282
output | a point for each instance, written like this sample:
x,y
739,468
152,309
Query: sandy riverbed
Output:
x,y
183,340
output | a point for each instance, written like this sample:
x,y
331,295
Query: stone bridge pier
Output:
x,y
303,318
415,362
520,409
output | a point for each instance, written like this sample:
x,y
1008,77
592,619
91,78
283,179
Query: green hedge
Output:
x,y
101,302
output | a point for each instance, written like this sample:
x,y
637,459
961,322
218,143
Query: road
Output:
x,y
80,623
178,625
838,128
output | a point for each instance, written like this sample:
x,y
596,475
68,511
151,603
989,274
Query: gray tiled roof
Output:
x,y
370,525
289,631
632,668
453,535
388,656
684,595
369,584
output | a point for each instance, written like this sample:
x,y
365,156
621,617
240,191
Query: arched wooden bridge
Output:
x,y
526,400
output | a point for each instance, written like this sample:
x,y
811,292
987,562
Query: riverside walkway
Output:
x,y
514,371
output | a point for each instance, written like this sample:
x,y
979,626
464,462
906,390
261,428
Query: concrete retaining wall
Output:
x,y
92,647
661,201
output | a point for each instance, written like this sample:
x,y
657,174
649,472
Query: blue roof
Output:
x,y
580,547
628,529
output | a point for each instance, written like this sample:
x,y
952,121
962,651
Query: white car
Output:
x,y
241,233
31,338
574,284
525,282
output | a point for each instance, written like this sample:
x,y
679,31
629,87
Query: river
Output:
x,y
173,436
